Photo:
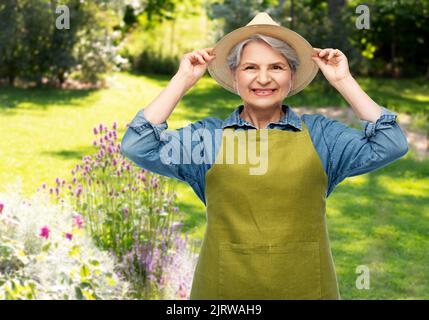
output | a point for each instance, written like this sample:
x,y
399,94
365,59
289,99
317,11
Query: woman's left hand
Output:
x,y
333,64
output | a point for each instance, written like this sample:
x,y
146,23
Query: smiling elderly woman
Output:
x,y
266,235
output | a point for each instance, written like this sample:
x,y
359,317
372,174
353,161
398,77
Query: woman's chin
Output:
x,y
264,102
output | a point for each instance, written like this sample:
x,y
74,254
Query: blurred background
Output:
x,y
60,87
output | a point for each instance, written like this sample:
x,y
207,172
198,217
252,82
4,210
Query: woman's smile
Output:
x,y
263,92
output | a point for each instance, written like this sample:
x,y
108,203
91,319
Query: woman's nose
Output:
x,y
263,77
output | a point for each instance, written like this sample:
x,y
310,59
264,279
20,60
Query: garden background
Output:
x,y
71,204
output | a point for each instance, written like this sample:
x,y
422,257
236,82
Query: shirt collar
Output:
x,y
290,118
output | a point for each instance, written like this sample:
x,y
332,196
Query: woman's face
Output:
x,y
262,67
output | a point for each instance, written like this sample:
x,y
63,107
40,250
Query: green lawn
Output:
x,y
380,219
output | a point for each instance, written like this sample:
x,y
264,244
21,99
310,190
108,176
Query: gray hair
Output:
x,y
287,51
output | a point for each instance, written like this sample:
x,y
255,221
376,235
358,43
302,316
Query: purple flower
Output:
x,y
154,182
78,190
78,221
95,131
94,143
44,232
1,207
114,125
68,236
100,127
44,186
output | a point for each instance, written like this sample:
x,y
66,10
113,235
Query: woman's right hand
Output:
x,y
194,64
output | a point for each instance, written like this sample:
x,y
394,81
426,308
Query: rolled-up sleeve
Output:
x,y
354,152
143,141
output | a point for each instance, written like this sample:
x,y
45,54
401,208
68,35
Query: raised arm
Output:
x,y
350,151
192,67
145,138
335,68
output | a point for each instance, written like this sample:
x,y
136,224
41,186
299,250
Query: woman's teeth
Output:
x,y
263,92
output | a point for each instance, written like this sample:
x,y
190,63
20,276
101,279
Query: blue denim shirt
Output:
x,y
344,151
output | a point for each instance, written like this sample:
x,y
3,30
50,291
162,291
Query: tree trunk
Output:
x,y
11,79
61,78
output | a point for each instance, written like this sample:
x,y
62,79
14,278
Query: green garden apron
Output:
x,y
266,235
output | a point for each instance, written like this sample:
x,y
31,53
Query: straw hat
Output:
x,y
263,24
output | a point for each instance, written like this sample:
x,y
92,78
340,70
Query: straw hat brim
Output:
x,y
305,73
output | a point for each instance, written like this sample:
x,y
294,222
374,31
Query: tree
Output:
x,y
33,49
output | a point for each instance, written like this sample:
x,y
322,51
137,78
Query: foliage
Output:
x,y
34,50
44,254
385,49
130,212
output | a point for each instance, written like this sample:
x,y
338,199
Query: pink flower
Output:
x,y
44,232
78,189
78,221
68,236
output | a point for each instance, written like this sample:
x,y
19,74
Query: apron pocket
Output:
x,y
261,271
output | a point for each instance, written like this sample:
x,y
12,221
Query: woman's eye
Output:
x,y
275,67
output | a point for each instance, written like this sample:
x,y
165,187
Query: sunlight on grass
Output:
x,y
378,219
